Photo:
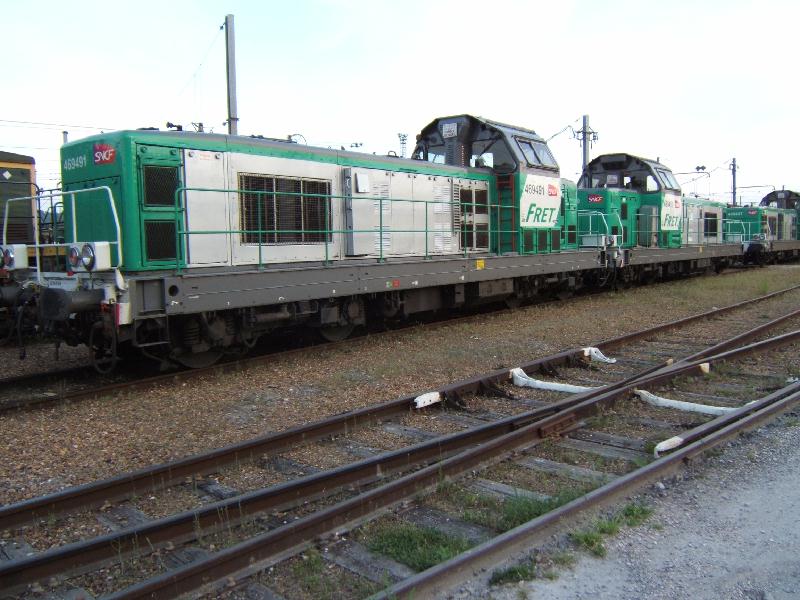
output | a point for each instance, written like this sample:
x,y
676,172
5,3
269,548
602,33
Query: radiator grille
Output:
x,y
555,240
572,234
287,210
160,240
541,242
160,184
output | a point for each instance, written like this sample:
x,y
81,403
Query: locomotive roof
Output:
x,y
224,143
507,130
11,157
623,161
782,199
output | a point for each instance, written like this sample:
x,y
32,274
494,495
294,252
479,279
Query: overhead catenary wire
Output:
x,y
200,65
43,125
563,129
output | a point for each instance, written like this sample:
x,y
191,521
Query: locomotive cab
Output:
x,y
527,208
636,200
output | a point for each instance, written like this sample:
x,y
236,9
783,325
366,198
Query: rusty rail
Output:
x,y
496,441
439,578
125,485
268,545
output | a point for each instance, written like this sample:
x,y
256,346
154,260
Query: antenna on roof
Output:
x,y
403,139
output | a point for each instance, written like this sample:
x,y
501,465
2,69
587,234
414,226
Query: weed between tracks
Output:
x,y
309,576
543,565
496,513
591,539
417,547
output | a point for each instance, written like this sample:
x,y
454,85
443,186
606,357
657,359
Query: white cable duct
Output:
x,y
427,399
594,354
704,409
666,445
522,380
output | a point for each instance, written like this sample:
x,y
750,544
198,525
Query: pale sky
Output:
x,y
689,82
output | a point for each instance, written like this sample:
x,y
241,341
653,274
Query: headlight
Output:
x,y
8,258
74,257
87,257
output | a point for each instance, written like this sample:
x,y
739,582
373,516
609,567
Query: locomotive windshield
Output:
x,y
536,153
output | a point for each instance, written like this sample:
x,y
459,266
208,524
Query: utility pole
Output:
x,y
733,175
230,45
587,135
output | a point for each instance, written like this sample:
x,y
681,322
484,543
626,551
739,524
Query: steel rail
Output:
x,y
80,556
228,562
94,494
184,526
146,480
255,361
439,578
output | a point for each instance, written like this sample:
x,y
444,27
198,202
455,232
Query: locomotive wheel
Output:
x,y
199,360
336,333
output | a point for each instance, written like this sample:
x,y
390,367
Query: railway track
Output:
x,y
74,384
339,498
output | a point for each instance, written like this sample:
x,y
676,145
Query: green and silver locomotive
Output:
x,y
184,246
635,200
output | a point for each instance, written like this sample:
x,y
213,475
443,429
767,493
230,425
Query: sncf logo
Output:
x,y
104,154
552,190
595,198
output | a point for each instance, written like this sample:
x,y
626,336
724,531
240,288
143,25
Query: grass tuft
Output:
x,y
608,526
418,547
590,540
309,571
564,559
521,509
635,513
521,572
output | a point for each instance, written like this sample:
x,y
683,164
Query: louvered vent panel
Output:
x,y
160,184
289,211
382,202
257,211
455,207
160,240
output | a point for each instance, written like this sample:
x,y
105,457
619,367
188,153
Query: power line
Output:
x,y
564,129
55,124
30,147
203,60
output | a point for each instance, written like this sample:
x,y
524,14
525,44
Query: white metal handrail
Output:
x,y
591,213
36,245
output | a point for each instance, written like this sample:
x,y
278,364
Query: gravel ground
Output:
x,y
726,530
46,450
